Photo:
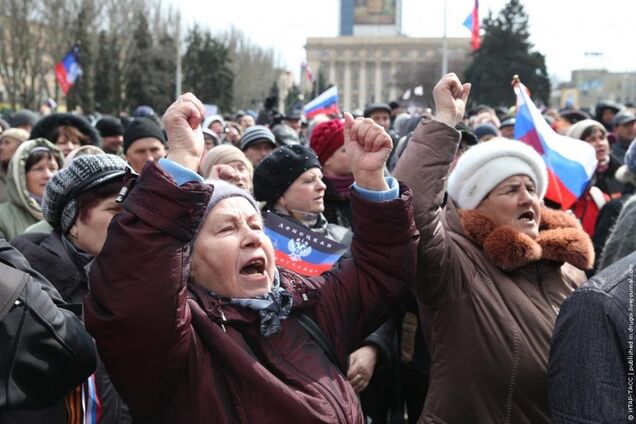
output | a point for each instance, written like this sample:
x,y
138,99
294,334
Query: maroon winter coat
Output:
x,y
178,355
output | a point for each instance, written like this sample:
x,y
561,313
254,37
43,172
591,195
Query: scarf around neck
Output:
x,y
272,307
341,185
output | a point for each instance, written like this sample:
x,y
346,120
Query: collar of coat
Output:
x,y
560,239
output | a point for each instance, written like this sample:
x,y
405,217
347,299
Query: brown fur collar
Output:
x,y
560,239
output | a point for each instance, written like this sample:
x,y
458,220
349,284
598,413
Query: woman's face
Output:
x,y
338,164
232,256
599,141
39,175
514,202
67,144
306,194
90,228
243,178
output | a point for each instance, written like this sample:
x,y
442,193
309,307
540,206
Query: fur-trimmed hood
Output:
x,y
560,239
45,126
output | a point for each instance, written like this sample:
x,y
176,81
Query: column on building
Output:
x,y
393,94
346,103
332,72
377,88
362,85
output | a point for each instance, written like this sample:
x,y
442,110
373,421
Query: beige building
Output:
x,y
589,86
366,69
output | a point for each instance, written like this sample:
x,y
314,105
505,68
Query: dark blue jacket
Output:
x,y
591,368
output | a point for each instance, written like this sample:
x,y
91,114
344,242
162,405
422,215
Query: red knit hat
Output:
x,y
326,138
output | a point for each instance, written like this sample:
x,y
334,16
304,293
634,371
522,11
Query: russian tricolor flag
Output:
x,y
472,23
68,70
571,163
299,249
326,103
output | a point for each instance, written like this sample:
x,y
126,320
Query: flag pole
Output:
x,y
444,46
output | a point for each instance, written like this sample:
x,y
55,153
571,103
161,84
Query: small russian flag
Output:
x,y
326,103
68,70
299,249
472,23
571,163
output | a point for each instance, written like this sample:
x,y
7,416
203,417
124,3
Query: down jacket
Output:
x,y
177,354
488,296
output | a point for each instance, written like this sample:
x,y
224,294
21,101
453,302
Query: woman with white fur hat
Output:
x,y
494,267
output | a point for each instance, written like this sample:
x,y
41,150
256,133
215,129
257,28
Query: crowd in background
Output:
x,y
62,177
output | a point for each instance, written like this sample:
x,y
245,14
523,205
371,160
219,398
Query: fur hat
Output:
x,y
279,170
256,134
15,133
326,138
485,165
577,130
23,117
142,128
46,126
224,153
59,205
375,107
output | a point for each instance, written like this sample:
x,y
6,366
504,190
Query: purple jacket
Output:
x,y
176,354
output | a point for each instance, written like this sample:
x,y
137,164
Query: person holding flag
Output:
x,y
494,266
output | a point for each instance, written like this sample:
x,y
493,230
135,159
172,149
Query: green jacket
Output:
x,y
21,209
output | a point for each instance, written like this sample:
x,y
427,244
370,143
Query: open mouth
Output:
x,y
254,267
527,216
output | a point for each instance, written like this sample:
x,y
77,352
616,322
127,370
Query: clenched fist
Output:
x,y
182,122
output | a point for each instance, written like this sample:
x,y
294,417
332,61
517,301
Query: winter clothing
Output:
x,y
142,128
375,107
279,170
588,371
623,117
47,125
178,354
224,154
488,295
257,134
621,241
109,126
23,117
59,205
337,203
44,349
484,166
16,134
576,130
285,135
484,130
21,209
326,138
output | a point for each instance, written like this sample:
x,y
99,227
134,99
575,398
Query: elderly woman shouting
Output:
x,y
494,267
197,324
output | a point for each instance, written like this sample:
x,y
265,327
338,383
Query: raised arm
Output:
x,y
424,166
136,308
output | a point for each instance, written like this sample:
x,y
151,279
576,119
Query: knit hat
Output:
x,y
485,165
109,126
23,117
577,130
627,173
223,154
59,205
142,128
484,130
256,134
374,107
279,170
326,138
15,133
623,117
212,118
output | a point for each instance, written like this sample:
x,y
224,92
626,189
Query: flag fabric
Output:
x,y
472,23
419,90
68,70
307,71
407,94
299,249
326,103
571,163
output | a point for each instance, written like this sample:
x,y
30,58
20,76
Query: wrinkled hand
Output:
x,y
182,122
361,366
224,172
450,99
368,148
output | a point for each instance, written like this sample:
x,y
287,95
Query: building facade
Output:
x,y
587,87
372,68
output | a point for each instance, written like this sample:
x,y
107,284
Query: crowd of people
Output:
x,y
141,285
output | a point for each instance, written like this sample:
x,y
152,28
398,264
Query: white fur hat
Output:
x,y
482,167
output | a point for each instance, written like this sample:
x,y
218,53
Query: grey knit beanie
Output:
x,y
59,205
257,134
